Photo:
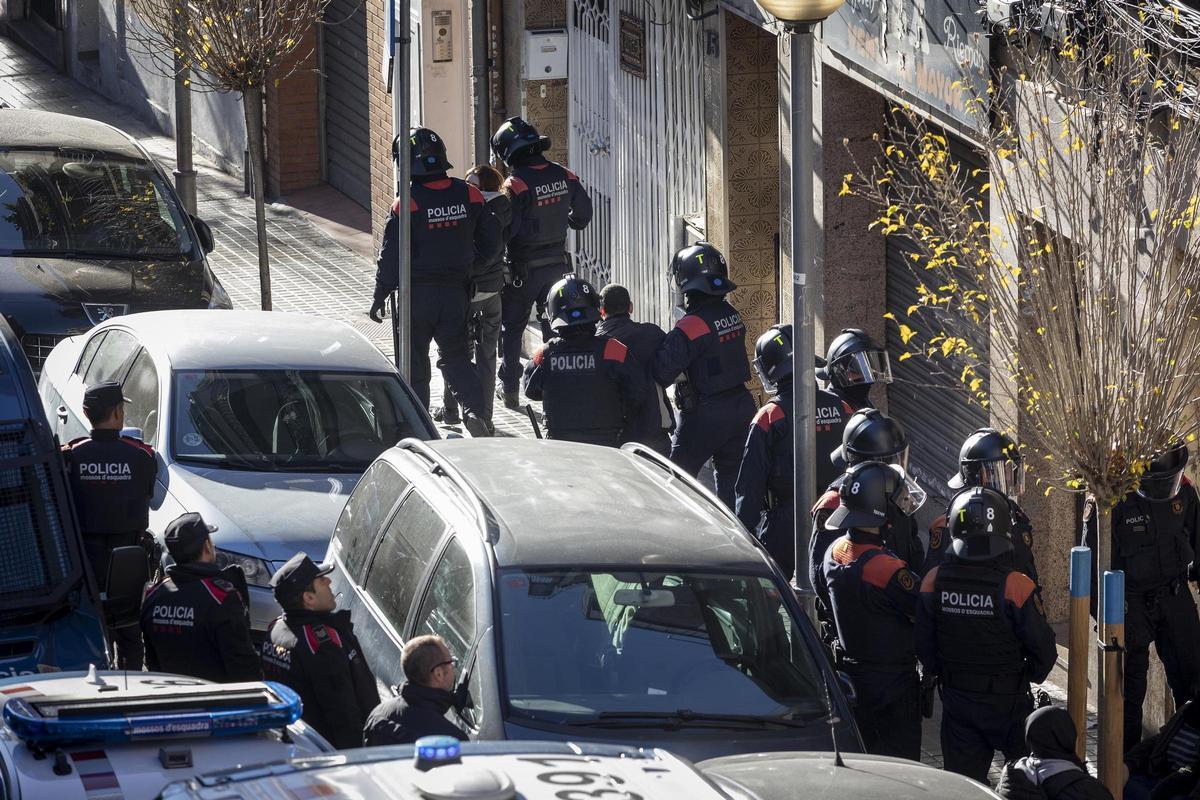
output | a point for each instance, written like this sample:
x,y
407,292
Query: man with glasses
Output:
x,y
427,694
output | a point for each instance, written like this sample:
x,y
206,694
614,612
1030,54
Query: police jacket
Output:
x,y
766,470
452,235
1152,541
194,623
112,481
418,711
547,199
643,340
981,628
489,275
1022,539
588,386
318,656
709,345
830,417
873,597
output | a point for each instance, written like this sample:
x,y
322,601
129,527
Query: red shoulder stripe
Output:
x,y
879,569
1017,588
474,195
145,448
927,583
334,636
217,592
768,415
828,502
1186,481
940,522
539,166
517,185
615,351
311,638
692,326
847,407
437,186
571,175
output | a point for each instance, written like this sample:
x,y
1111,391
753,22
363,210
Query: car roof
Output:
x,y
561,503
217,339
809,774
45,129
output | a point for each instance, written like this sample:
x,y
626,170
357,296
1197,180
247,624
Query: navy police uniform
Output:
x,y
981,630
1153,542
764,490
654,421
588,386
453,235
873,597
547,199
831,414
194,623
1022,540
708,344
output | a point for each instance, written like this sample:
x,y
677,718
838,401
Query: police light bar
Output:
x,y
217,710
436,751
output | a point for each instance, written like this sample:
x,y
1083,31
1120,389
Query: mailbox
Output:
x,y
545,54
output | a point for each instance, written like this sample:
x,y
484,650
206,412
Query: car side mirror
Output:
x,y
204,234
128,573
848,689
133,433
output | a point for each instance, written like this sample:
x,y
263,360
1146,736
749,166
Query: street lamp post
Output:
x,y
799,18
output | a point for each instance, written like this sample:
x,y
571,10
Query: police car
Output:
x,y
124,735
440,768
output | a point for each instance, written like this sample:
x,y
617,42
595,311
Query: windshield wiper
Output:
x,y
230,461
687,718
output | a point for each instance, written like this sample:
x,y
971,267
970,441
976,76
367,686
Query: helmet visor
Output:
x,y
1161,488
1006,477
909,496
865,368
900,459
768,385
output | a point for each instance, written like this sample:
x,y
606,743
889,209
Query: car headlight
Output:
x,y
257,571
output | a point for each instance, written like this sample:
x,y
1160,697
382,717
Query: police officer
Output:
x,y
1153,539
112,482
311,647
982,631
853,364
452,234
764,489
873,597
194,622
992,460
589,387
655,421
547,199
707,347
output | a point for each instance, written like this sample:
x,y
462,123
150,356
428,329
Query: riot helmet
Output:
x,y
1162,478
516,138
854,360
700,267
870,435
980,524
773,356
571,303
869,491
426,150
990,459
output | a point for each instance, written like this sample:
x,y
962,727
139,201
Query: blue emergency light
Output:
x,y
231,710
436,751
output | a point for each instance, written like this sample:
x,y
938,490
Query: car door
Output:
x,y
109,360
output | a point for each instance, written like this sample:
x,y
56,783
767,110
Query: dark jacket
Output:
x,y
418,711
830,416
1022,538
765,488
194,623
547,199
643,340
1051,771
1149,756
112,481
489,275
318,656
709,345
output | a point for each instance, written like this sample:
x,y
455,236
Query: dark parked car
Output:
x,y
90,228
590,594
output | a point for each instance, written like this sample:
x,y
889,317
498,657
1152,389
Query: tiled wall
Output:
x,y
546,102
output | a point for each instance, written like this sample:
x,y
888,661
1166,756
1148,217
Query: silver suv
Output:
x,y
589,594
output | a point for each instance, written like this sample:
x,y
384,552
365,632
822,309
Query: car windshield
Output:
x,y
585,647
291,420
80,203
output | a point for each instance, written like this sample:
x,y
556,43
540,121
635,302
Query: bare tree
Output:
x,y
230,46
1075,249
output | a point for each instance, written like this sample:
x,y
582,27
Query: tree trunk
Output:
x,y
252,103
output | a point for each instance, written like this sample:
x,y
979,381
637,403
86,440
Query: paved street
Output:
x,y
311,272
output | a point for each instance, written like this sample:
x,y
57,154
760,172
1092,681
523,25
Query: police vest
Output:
x,y
442,219
830,417
1151,541
722,364
975,636
870,640
543,231
112,479
580,396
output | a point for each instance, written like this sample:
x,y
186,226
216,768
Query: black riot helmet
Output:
x,y
980,524
516,138
427,151
869,491
990,459
870,435
854,360
773,356
1163,476
572,302
700,267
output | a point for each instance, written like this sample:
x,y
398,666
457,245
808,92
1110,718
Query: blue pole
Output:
x,y
1078,644
1112,705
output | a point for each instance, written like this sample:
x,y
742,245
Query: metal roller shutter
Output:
x,y
927,397
347,117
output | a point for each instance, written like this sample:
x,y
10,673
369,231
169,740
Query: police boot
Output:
x,y
476,425
512,400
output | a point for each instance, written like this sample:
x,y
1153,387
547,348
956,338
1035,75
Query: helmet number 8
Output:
x,y
854,488
991,513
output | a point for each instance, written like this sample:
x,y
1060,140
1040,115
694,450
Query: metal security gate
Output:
x,y
927,396
637,143
347,115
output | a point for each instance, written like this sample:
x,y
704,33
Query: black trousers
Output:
x,y
516,303
975,725
888,712
716,428
439,314
1167,619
